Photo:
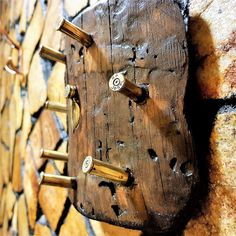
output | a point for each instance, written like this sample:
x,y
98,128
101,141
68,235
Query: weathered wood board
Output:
x,y
147,39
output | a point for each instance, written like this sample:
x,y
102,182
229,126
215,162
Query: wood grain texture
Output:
x,y
151,140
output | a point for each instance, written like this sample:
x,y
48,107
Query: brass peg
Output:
x,y
70,91
54,155
54,106
11,68
57,180
75,32
104,170
118,83
52,54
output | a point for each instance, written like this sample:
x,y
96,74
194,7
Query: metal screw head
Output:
x,y
87,164
117,82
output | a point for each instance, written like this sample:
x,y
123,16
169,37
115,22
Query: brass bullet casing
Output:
x,y
54,155
75,32
104,170
54,106
70,91
11,68
118,83
52,54
57,180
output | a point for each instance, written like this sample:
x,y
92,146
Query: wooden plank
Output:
x,y
5,163
37,88
56,89
153,137
31,186
14,224
32,37
23,227
74,224
52,199
45,134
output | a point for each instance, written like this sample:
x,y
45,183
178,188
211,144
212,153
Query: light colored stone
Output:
x,y
41,230
105,229
16,173
50,36
31,186
60,164
23,227
26,127
10,201
56,88
218,216
32,37
223,146
45,134
73,7
74,224
213,35
37,88
52,200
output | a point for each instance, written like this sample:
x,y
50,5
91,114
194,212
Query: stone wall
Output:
x,y
26,208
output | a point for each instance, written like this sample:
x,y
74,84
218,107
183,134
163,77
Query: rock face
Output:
x,y
26,209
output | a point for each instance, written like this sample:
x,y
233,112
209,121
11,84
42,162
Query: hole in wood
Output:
x,y
155,56
72,46
173,164
186,168
120,143
109,185
117,210
152,154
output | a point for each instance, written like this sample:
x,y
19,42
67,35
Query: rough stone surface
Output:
x,y
215,46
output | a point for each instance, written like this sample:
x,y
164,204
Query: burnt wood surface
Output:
x,y
147,39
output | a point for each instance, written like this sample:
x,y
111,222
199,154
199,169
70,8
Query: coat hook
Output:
x,y
52,54
75,32
104,170
57,180
11,68
55,106
118,83
54,155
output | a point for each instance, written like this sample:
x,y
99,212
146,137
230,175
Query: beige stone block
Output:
x,y
37,88
73,7
31,187
45,134
26,127
212,34
41,230
74,224
60,164
10,201
16,173
223,148
56,88
23,227
32,37
218,216
52,200
50,36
